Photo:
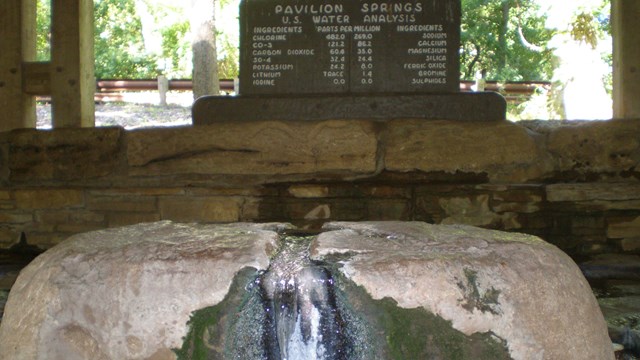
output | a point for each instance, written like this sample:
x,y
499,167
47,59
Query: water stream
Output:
x,y
300,301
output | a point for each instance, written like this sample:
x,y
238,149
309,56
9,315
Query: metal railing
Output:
x,y
110,88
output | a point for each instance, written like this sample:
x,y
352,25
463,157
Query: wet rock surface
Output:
x,y
615,282
612,266
10,266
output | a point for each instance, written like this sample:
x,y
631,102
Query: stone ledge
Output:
x,y
612,192
342,150
64,154
502,150
255,148
596,146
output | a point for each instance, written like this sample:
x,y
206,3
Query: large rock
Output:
x,y
126,293
516,286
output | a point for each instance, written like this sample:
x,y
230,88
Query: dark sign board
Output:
x,y
349,46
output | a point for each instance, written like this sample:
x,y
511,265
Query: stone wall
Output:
x,y
575,184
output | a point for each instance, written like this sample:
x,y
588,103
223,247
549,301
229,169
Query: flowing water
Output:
x,y
300,298
296,309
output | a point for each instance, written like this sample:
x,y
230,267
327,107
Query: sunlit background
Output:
x,y
582,68
568,42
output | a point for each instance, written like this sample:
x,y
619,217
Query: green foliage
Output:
x,y
229,65
584,29
174,48
593,26
119,46
43,30
507,38
602,16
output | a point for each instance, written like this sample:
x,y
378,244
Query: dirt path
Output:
x,y
128,115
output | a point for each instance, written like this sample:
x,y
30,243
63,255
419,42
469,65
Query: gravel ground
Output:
x,y
128,115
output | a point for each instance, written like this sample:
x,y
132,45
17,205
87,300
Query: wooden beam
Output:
x,y
72,72
36,78
17,44
626,58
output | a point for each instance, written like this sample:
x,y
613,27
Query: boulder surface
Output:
x,y
128,293
516,286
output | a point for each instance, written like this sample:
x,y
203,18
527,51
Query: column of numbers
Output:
x,y
337,58
364,53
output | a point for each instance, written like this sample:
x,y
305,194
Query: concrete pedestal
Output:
x,y
455,106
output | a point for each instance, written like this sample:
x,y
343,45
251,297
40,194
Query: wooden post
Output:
x,y
72,63
626,58
17,45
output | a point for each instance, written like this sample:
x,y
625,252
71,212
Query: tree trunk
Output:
x,y
205,62
502,37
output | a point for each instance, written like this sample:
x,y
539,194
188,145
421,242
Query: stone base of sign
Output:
x,y
486,106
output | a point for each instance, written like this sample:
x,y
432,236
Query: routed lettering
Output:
x,y
345,46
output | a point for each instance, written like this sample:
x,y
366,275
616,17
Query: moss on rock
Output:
x,y
236,327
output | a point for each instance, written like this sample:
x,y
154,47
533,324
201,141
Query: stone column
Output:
x,y
72,63
203,45
163,88
17,45
625,15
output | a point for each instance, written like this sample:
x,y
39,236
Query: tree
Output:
x,y
43,30
583,74
174,48
120,50
119,46
228,57
507,39
205,60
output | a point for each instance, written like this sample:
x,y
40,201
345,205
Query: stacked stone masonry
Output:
x,y
575,184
